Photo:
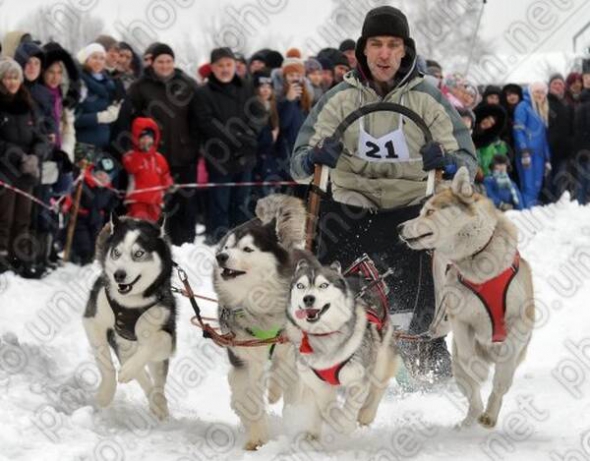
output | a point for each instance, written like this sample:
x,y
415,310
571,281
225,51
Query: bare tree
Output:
x,y
447,31
72,28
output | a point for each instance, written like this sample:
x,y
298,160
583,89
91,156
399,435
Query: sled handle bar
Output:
x,y
321,173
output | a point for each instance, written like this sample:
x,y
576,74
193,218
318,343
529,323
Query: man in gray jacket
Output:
x,y
382,161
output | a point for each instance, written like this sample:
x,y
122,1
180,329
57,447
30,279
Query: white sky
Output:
x,y
552,24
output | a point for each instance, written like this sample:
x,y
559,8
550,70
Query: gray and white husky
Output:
x,y
132,310
255,263
344,343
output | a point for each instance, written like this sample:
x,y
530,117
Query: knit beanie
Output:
x,y
160,49
9,66
88,50
312,65
291,65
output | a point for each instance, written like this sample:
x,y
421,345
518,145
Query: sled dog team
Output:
x,y
341,340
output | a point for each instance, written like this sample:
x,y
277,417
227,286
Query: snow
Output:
x,y
48,377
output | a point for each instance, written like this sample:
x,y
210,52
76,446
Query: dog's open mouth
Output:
x,y
228,274
310,314
416,239
124,288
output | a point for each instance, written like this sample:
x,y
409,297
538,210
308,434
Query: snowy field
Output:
x,y
47,378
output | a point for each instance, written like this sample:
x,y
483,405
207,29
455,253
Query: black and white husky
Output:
x,y
344,343
132,310
255,263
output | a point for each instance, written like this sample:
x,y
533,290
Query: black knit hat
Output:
x,y
220,53
347,45
586,66
261,77
273,59
161,48
385,21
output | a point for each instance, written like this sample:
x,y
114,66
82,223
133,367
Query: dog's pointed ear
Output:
x,y
162,224
301,264
114,222
461,185
336,266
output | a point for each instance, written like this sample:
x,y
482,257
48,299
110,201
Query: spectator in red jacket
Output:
x,y
147,168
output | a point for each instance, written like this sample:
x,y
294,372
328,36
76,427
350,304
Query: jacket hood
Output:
x,y
144,123
483,138
28,50
70,86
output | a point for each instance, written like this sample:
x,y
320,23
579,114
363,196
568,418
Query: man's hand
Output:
x,y
327,152
433,157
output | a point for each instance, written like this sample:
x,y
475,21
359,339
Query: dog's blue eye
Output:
x,y
324,285
300,286
139,253
248,250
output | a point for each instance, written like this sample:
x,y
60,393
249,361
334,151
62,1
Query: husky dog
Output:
x,y
345,343
132,310
487,292
251,279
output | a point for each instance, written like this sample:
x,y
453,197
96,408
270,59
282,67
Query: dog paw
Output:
x,y
469,421
128,372
159,404
106,393
487,421
253,445
366,417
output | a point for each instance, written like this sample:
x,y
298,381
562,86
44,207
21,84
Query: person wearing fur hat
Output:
x,y
490,121
382,162
128,67
533,156
168,95
23,147
460,92
229,118
491,96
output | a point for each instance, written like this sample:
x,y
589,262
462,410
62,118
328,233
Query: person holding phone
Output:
x,y
293,106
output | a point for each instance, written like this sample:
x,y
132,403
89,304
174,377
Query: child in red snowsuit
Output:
x,y
147,169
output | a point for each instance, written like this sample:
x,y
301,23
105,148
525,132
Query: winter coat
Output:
x,y
19,135
502,195
229,118
291,119
582,123
388,185
488,142
39,92
560,130
172,105
97,96
146,169
530,134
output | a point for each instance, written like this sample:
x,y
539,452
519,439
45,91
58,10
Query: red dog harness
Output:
x,y
331,375
492,295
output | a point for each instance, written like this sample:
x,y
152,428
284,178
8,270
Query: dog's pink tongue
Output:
x,y
300,314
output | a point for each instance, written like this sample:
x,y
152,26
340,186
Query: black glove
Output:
x,y
327,152
434,158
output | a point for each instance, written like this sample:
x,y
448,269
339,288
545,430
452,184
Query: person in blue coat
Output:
x,y
97,109
533,157
500,189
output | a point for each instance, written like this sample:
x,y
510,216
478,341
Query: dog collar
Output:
x,y
305,347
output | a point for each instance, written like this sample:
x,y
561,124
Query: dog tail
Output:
x,y
290,216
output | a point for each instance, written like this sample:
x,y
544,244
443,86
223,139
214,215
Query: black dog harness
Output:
x,y
126,318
